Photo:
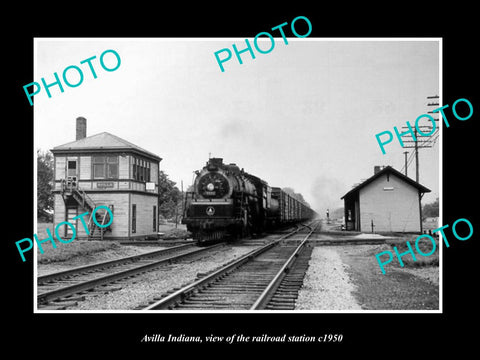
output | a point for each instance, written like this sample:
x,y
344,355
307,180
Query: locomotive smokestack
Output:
x,y
214,163
81,128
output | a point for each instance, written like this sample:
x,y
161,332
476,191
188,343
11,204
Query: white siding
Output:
x,y
85,167
59,210
154,172
392,205
144,218
60,162
120,204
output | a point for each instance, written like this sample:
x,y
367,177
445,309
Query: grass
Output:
x,y
64,252
424,245
76,248
170,231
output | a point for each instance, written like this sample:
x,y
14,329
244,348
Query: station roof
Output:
x,y
103,142
385,170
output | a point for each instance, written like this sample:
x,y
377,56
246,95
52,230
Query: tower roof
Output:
x,y
102,142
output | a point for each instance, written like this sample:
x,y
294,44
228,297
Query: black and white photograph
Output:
x,y
274,181
260,187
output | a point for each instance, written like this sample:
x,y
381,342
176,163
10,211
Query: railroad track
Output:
x,y
266,278
57,290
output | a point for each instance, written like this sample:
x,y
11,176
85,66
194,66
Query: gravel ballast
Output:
x,y
341,277
326,285
86,253
138,291
412,288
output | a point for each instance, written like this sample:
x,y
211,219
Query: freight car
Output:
x,y
227,201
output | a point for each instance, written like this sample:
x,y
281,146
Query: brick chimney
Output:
x,y
81,128
377,168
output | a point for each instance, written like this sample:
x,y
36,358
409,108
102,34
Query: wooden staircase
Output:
x,y
70,190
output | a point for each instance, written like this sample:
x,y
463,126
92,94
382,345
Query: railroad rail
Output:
x,y
108,264
265,278
62,285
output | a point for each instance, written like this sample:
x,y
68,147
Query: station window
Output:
x,y
72,168
141,170
154,218
134,218
112,167
105,167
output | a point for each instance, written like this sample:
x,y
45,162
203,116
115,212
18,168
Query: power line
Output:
x,y
417,144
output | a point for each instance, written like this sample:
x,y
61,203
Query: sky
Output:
x,y
302,116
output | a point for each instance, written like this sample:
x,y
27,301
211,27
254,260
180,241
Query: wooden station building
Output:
x,y
105,170
388,201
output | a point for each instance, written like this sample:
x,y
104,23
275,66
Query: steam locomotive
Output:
x,y
227,201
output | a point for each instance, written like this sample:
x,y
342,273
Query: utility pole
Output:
x,y
423,143
406,166
414,145
417,167
419,143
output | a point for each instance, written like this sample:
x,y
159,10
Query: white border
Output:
x,y
387,39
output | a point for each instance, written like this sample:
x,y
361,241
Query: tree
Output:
x,y
170,196
431,210
44,186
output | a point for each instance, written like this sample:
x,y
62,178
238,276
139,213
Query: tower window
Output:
x,y
105,167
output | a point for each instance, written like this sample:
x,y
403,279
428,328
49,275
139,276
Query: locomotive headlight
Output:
x,y
213,185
